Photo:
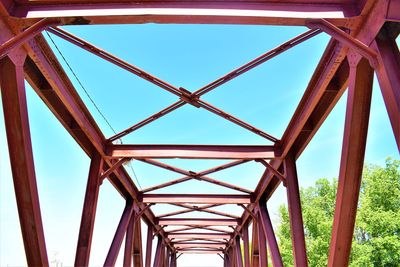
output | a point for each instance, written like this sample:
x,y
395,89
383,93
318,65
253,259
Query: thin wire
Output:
x,y
92,101
80,83
134,174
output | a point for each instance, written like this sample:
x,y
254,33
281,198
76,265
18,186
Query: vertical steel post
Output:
x,y
262,245
21,159
269,233
351,165
137,244
119,234
89,212
130,235
173,259
149,245
255,254
246,247
231,257
162,255
295,216
238,252
167,256
225,259
158,254
388,73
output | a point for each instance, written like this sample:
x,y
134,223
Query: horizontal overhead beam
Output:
x,y
196,199
200,221
193,151
201,236
201,251
200,245
238,12
182,244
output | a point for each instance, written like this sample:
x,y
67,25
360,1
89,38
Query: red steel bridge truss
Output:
x,y
363,43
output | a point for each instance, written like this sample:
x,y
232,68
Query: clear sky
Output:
x,y
188,56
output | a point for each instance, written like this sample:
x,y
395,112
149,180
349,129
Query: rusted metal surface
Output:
x,y
389,76
89,212
296,218
193,151
356,25
21,158
351,164
265,222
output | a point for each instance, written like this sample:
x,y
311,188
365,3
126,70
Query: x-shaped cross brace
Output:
x,y
185,96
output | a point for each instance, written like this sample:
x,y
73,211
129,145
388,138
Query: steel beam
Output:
x,y
202,236
262,246
179,242
265,222
254,245
198,221
352,160
295,216
115,166
345,38
21,159
199,245
137,244
193,151
158,255
149,245
196,199
182,12
24,36
162,255
388,73
232,260
130,236
166,257
119,235
173,259
238,252
246,246
227,261
200,251
393,13
89,212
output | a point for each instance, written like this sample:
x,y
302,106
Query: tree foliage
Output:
x,y
376,239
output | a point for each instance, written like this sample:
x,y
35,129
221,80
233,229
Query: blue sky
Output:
x,y
188,56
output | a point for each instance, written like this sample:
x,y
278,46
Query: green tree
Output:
x,y
377,233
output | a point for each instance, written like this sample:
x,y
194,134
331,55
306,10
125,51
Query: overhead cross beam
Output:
x,y
291,12
193,151
201,236
198,245
196,199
